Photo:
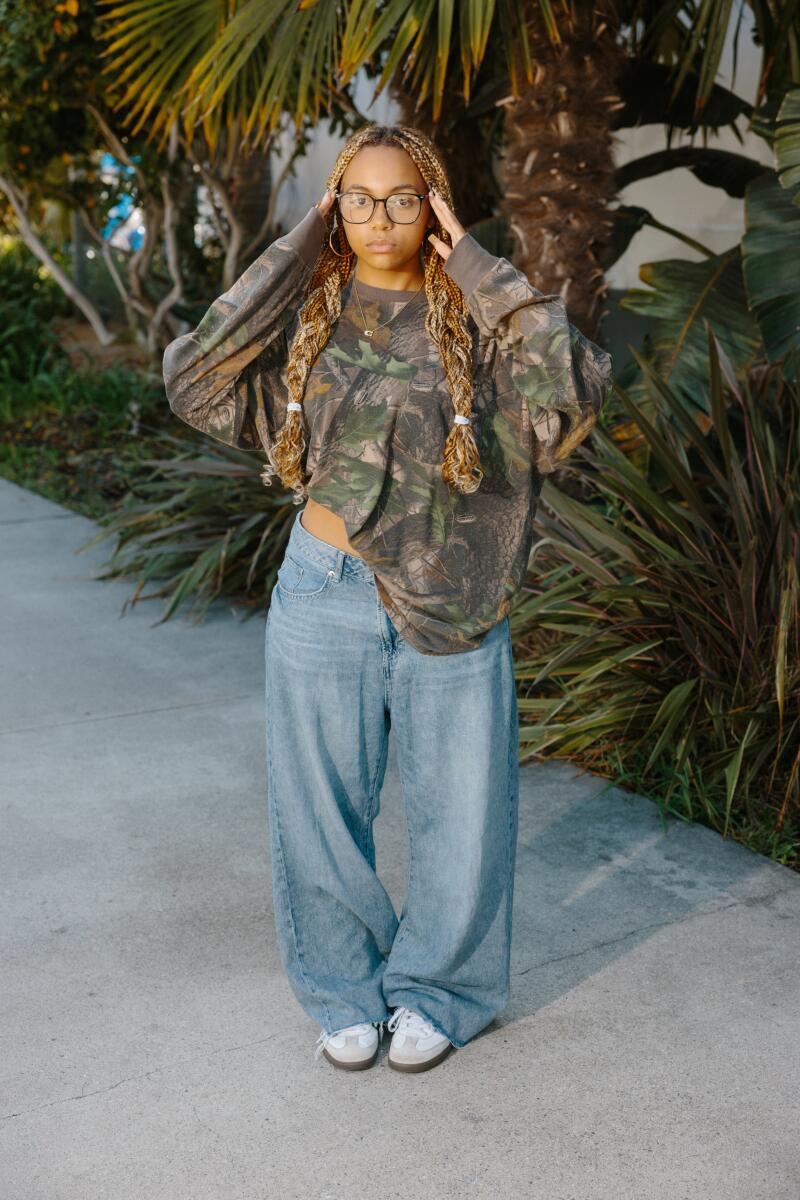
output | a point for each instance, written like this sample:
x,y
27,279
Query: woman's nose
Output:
x,y
376,215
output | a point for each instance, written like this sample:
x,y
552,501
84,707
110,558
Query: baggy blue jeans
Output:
x,y
338,676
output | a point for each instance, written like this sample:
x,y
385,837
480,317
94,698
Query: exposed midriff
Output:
x,y
327,526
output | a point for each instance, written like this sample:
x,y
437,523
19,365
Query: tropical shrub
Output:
x,y
75,436
202,525
29,301
658,637
78,437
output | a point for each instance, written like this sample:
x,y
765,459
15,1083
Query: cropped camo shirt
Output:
x,y
378,411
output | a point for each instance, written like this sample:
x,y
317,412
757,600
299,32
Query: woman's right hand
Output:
x,y
326,203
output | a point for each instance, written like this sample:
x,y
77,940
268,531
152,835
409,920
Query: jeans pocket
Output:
x,y
301,579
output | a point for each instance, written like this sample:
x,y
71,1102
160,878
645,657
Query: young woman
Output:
x,y
413,389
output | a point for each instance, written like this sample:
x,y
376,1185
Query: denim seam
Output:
x,y
513,801
283,873
387,676
385,653
305,595
385,748
321,560
371,796
400,934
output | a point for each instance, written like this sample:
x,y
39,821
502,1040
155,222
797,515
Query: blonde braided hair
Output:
x,y
445,322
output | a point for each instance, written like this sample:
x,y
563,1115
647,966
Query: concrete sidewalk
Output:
x,y
153,1048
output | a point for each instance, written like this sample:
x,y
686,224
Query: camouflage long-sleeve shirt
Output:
x,y
378,411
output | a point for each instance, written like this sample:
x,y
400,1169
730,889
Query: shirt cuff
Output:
x,y
468,262
308,235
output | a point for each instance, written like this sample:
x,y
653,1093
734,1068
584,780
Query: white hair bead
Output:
x,y
294,405
459,420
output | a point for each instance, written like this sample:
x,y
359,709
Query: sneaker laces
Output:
x,y
362,1027
409,1021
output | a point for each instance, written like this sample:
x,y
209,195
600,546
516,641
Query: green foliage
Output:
x,y
683,295
771,258
716,168
26,340
29,300
77,437
787,142
212,64
50,78
694,36
24,283
750,294
202,525
661,623
48,65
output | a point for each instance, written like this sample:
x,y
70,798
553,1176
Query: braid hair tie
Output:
x,y
294,405
459,420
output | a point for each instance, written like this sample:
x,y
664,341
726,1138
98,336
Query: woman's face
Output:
x,y
385,171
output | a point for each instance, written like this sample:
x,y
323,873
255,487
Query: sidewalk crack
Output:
x,y
133,1078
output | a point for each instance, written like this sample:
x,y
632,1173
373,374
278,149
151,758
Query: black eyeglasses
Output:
x,y
402,207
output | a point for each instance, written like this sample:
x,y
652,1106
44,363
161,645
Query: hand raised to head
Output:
x,y
450,222
325,204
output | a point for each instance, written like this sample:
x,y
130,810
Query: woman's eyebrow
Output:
x,y
408,186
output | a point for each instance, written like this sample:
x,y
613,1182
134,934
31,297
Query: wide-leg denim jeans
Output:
x,y
338,676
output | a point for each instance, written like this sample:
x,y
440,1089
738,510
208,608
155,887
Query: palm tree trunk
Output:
x,y
558,169
252,189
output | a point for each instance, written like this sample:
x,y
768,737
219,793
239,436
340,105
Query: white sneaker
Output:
x,y
415,1044
354,1048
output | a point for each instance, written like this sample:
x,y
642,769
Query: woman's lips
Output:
x,y
380,247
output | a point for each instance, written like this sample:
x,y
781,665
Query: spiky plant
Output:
x,y
659,632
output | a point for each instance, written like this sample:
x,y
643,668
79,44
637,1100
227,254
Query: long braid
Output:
x,y
445,322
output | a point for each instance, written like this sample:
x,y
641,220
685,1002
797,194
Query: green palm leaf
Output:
x,y
771,253
787,143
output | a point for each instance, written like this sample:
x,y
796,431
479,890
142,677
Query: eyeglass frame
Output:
x,y
382,199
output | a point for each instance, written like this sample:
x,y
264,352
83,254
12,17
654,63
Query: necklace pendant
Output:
x,y
369,332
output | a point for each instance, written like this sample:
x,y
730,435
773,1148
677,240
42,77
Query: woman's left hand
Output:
x,y
450,223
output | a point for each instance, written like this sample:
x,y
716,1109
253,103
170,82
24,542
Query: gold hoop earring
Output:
x,y
330,243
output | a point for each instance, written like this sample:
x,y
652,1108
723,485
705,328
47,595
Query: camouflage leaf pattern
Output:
x,y
378,411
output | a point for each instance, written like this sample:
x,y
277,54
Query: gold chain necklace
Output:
x,y
369,332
